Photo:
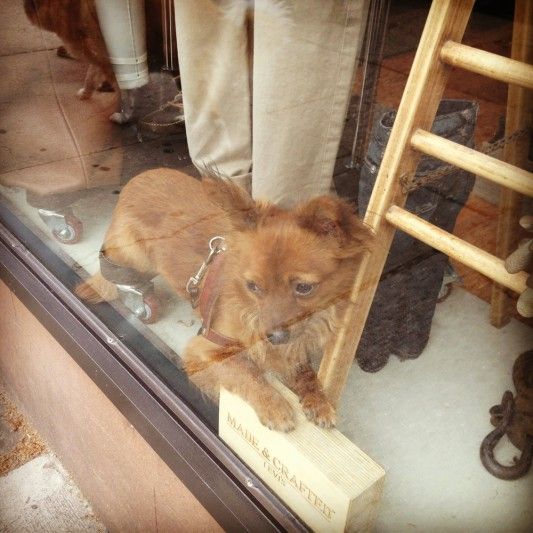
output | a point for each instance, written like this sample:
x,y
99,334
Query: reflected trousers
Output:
x,y
266,85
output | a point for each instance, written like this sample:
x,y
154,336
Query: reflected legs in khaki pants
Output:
x,y
273,99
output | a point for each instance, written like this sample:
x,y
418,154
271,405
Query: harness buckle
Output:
x,y
217,244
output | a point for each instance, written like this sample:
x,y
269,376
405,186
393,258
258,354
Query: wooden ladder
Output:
x,y
439,50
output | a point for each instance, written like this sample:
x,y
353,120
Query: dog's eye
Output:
x,y
304,289
252,286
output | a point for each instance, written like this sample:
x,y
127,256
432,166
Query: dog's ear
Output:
x,y
334,218
231,198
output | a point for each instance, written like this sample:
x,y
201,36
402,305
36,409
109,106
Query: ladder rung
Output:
x,y
456,248
493,169
487,64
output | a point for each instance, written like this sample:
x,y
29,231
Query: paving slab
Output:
x,y
41,496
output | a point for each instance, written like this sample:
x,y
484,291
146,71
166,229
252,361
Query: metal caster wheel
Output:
x,y
141,301
71,232
64,225
151,309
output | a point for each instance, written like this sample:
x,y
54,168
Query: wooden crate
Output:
x,y
320,474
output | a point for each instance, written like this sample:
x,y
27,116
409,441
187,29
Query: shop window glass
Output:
x,y
135,139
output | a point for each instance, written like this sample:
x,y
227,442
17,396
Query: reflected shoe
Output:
x,y
166,120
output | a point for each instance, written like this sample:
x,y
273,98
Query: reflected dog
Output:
x,y
76,23
281,283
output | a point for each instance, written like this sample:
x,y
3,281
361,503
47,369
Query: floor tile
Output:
x,y
40,496
19,36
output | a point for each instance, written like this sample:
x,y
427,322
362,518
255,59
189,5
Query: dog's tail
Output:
x,y
96,289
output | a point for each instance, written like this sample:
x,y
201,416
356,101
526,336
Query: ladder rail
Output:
x,y
423,93
519,116
446,23
456,248
447,19
488,64
488,167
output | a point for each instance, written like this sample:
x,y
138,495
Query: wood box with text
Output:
x,y
320,474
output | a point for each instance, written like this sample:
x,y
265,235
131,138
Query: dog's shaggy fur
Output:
x,y
76,23
285,279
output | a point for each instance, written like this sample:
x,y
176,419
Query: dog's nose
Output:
x,y
278,336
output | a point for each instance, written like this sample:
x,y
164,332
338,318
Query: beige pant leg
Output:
x,y
304,57
214,66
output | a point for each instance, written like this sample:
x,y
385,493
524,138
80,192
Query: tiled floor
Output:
x,y
423,420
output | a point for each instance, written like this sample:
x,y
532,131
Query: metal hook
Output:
x,y
504,412
217,244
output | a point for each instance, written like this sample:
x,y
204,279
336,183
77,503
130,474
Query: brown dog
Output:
x,y
76,23
283,280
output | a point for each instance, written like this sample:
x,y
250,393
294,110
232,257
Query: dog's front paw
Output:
x,y
317,409
276,413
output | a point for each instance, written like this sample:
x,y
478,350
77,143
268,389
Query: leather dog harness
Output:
x,y
206,303
206,297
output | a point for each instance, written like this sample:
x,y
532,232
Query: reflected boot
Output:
x,y
399,321
167,120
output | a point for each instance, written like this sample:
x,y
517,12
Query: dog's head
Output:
x,y
287,265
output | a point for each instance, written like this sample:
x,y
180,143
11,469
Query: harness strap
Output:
x,y
208,298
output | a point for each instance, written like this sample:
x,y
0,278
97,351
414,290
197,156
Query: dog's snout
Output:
x,y
278,336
